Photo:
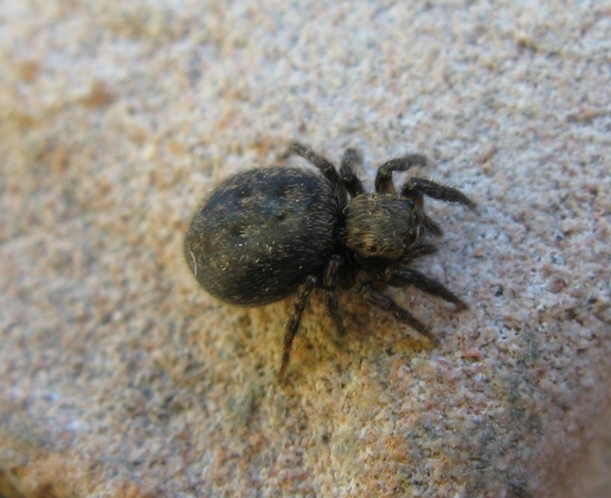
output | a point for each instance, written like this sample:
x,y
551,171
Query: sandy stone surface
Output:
x,y
119,377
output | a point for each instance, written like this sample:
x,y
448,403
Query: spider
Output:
x,y
268,233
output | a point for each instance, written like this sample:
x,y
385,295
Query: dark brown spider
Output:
x,y
267,233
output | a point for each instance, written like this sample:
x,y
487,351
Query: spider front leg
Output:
x,y
383,183
416,187
418,251
382,301
403,277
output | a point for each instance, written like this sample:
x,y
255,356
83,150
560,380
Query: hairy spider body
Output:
x,y
267,233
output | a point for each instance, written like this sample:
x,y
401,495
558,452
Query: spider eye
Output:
x,y
372,249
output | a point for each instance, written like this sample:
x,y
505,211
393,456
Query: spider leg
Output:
x,y
419,250
350,160
377,298
383,183
330,280
292,325
324,165
429,225
403,277
418,186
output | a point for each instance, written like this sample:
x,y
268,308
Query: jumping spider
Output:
x,y
265,233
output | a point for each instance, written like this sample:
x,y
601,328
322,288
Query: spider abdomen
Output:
x,y
261,232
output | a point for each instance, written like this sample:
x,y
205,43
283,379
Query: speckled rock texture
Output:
x,y
120,377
